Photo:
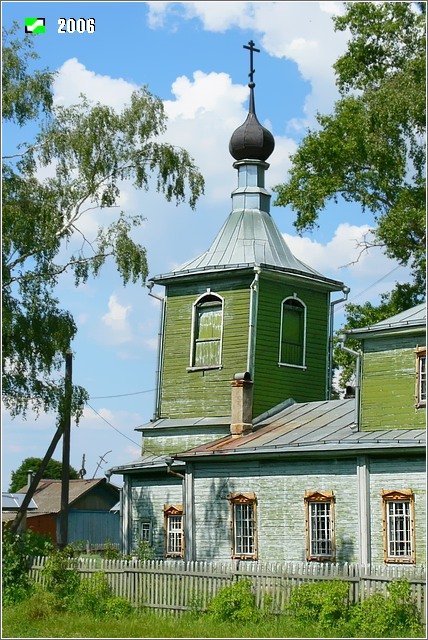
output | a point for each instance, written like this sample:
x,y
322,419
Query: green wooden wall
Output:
x,y
274,383
203,393
388,384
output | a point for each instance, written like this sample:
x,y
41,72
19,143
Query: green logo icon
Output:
x,y
35,25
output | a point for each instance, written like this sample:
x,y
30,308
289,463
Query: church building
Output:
x,y
246,456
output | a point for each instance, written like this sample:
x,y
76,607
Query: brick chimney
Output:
x,y
242,404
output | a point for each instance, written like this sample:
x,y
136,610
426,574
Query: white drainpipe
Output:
x,y
158,374
357,354
346,291
254,290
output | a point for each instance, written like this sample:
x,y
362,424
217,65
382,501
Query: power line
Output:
x,y
370,286
122,395
110,425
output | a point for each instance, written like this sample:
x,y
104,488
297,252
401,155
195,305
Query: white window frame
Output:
x,y
421,377
199,301
281,363
238,502
312,499
174,514
145,525
398,528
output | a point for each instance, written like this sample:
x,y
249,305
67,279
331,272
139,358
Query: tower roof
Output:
x,y
251,140
248,238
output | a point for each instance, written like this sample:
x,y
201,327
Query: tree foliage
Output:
x,y
371,149
53,471
90,150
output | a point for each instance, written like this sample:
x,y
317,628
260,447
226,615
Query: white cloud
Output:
x,y
341,259
300,31
74,78
116,320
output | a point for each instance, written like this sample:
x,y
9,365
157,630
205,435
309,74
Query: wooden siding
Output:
x,y
149,494
100,498
180,440
274,383
388,384
280,489
202,393
98,527
398,474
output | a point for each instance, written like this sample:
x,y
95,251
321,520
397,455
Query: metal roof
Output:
x,y
324,426
411,318
48,492
146,461
247,239
12,501
168,423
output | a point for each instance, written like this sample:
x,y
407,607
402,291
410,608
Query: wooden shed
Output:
x,y
90,516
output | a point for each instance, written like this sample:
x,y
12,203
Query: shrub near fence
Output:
x,y
177,586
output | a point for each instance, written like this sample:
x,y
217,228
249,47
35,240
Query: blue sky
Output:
x,y
190,55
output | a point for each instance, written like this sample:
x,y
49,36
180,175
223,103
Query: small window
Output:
x,y
320,525
398,526
145,531
243,520
174,540
293,330
421,377
207,332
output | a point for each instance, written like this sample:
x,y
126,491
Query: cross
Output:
x,y
251,49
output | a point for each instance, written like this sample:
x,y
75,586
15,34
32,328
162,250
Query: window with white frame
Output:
x,y
145,531
243,521
398,526
207,331
174,540
421,377
320,544
293,332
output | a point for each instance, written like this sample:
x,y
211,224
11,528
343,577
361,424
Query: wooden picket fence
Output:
x,y
177,586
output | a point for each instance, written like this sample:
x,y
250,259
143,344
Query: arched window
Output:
x,y
293,332
207,331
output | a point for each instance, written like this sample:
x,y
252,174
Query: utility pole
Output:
x,y
65,476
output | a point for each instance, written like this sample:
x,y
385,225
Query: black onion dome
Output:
x,y
251,140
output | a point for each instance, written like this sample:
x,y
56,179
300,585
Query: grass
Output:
x,y
20,622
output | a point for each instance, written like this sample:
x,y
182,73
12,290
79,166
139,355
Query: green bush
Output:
x,y
110,551
325,602
118,608
61,577
41,604
392,615
144,551
17,549
92,594
235,602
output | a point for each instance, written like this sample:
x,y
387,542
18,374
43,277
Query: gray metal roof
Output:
x,y
248,238
168,423
146,461
324,426
411,318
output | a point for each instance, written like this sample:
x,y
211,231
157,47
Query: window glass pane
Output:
x,y
422,379
320,529
399,531
244,529
174,535
292,337
145,531
206,349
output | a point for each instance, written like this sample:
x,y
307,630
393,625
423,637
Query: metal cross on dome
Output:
x,y
250,46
